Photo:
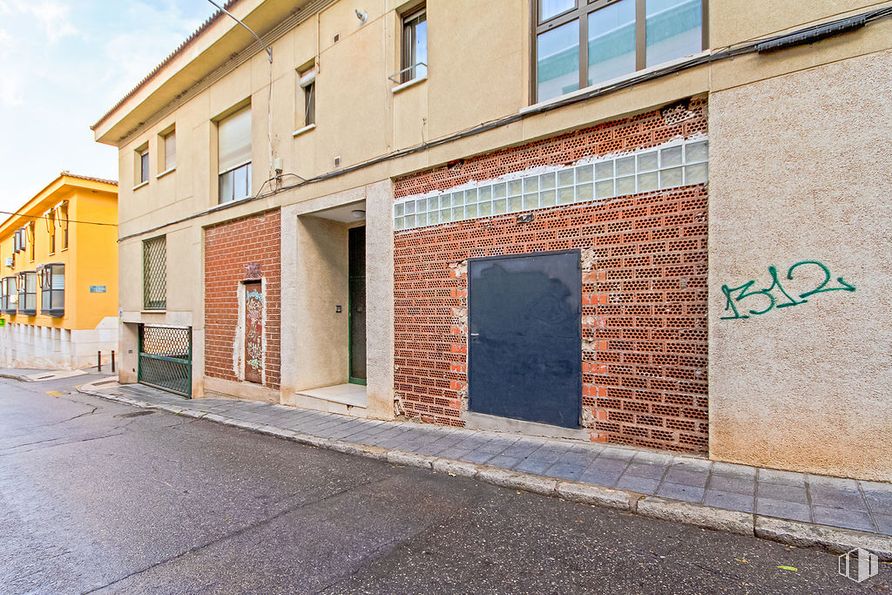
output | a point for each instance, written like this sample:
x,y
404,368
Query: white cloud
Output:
x,y
63,63
53,16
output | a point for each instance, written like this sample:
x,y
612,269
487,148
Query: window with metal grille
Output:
x,y
8,298
52,289
585,42
154,267
27,286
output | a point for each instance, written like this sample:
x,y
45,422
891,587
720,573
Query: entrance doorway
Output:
x,y
525,351
165,359
357,322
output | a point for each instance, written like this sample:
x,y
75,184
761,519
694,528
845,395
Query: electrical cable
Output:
x,y
749,47
21,214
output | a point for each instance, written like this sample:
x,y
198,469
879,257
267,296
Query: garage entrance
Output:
x,y
165,358
525,352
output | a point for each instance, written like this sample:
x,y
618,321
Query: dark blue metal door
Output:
x,y
525,352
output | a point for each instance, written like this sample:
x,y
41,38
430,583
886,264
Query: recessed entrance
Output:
x,y
525,347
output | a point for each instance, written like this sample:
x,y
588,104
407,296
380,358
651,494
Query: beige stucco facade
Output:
x,y
479,72
799,170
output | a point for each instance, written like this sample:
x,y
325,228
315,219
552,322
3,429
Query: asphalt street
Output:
x,y
97,496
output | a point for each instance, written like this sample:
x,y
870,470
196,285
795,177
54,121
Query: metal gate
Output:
x,y
525,359
165,358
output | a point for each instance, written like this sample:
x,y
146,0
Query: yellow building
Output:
x,y
59,276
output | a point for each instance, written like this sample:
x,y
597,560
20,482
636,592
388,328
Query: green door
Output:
x,y
357,305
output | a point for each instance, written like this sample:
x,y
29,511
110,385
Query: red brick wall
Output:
x,y
644,289
237,251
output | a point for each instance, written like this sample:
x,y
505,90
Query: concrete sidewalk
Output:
x,y
794,508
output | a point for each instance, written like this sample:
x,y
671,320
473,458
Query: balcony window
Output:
x,y
414,54
8,297
234,156
52,289
585,42
27,288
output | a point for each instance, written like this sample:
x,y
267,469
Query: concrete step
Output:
x,y
344,399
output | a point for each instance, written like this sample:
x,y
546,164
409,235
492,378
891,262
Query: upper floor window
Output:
x,y
63,223
50,218
234,156
154,273
585,42
414,50
29,239
27,286
169,148
52,289
142,165
307,97
19,240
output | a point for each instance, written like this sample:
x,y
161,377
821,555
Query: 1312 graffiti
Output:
x,y
776,295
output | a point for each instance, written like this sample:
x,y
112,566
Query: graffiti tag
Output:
x,y
763,301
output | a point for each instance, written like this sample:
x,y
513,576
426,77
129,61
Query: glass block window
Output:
x,y
52,289
674,164
154,259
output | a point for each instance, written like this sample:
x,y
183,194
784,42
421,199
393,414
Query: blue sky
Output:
x,y
64,63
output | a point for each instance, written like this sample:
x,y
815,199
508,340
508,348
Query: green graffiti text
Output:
x,y
763,301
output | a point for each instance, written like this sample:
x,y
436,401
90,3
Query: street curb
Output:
x,y
833,539
718,519
18,377
741,523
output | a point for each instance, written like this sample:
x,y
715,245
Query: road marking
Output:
x,y
54,393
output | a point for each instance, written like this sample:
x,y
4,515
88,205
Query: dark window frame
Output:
x,y
56,295
408,36
309,103
581,12
24,294
143,166
8,289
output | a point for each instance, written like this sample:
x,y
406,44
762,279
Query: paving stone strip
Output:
x,y
794,508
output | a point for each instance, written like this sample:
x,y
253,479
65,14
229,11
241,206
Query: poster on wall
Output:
x,y
254,332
